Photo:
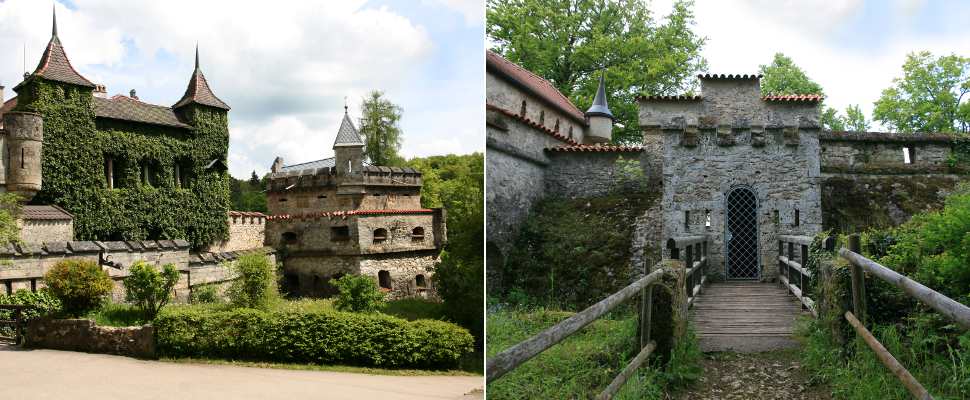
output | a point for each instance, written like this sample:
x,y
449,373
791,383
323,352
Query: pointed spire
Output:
x,y
347,135
599,107
54,29
198,90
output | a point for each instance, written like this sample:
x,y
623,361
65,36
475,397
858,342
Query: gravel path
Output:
x,y
773,375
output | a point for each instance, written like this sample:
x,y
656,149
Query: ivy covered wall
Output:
x,y
73,166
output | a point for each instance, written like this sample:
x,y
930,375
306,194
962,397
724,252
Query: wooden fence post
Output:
x,y
858,281
646,309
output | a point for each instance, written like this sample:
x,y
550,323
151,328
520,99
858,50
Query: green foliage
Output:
x,y
80,285
358,293
120,315
75,147
205,294
456,182
322,337
10,209
855,119
41,302
628,175
256,286
248,195
569,41
382,134
583,364
150,289
573,252
929,97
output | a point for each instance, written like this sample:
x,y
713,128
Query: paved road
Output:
x,y
51,374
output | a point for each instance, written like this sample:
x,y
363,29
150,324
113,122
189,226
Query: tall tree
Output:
x,y
855,119
782,76
379,125
254,180
569,41
931,96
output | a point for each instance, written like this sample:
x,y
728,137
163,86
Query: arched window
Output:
x,y
384,279
417,234
289,238
380,235
419,281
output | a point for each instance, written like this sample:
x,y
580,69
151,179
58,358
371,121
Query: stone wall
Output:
x,y
84,335
586,174
308,274
40,231
247,230
404,271
505,94
317,234
882,153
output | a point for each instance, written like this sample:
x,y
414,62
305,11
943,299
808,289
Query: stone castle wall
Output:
x,y
247,230
308,274
586,174
42,231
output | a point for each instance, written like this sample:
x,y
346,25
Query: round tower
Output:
x,y
25,139
600,118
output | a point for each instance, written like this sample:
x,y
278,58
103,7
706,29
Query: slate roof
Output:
x,y
347,135
600,107
198,90
533,83
47,213
125,108
324,163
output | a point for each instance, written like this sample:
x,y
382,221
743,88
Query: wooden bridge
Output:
x,y
734,315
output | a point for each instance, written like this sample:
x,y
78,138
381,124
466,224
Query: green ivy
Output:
x,y
75,145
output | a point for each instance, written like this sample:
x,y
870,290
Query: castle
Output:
x,y
339,216
731,163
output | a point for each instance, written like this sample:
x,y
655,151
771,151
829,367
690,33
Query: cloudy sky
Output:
x,y
284,67
853,48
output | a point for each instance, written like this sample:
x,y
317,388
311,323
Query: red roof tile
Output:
x,y
332,214
8,105
531,123
533,83
246,214
198,90
729,76
792,97
596,148
681,97
54,65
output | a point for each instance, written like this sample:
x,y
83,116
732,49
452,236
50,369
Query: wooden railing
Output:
x,y
17,323
952,309
791,268
693,250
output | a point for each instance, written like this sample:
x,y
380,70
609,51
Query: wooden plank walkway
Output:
x,y
745,317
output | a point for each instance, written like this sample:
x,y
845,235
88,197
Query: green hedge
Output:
x,y
329,337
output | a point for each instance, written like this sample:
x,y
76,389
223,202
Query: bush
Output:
x,y
460,284
40,303
80,285
150,289
256,285
204,294
323,337
358,293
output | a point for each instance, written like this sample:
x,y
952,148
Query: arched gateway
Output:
x,y
741,235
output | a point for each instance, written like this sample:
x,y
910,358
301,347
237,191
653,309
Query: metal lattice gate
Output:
x,y
741,235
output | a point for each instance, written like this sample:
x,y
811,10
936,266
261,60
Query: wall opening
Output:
x,y
775,217
522,109
380,235
289,238
907,155
109,172
384,279
707,219
798,219
542,117
417,234
339,233
741,235
687,221
420,282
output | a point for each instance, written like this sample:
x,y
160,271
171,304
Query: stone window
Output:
x,y
907,155
557,126
687,221
775,217
420,282
570,132
522,109
797,217
384,279
542,117
144,174
289,238
380,235
707,219
339,233
417,234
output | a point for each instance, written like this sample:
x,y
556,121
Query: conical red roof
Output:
x,y
55,66
198,90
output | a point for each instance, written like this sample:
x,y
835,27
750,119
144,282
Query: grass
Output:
x,y
583,364
855,373
330,368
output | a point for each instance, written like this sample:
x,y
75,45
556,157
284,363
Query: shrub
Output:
x,y
323,337
150,289
256,285
460,284
40,303
358,293
204,294
80,285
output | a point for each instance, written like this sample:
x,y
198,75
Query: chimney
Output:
x,y
133,95
100,91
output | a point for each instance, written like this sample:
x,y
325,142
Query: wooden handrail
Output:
x,y
887,359
514,356
797,239
955,311
627,372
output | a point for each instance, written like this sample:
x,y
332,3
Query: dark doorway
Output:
x,y
741,235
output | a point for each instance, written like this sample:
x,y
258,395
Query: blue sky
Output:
x,y
853,48
285,70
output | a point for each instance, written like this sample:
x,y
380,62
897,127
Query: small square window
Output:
x,y
339,233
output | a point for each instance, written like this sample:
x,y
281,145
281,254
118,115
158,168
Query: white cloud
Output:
x,y
472,10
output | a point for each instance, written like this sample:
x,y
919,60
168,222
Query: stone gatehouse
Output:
x,y
731,162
